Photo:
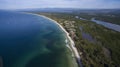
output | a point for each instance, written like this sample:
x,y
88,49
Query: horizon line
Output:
x,y
57,8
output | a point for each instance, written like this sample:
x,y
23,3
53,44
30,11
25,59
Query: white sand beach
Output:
x,y
71,45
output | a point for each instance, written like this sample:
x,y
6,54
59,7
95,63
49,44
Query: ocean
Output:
x,y
28,40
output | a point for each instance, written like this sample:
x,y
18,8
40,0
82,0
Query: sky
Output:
x,y
83,4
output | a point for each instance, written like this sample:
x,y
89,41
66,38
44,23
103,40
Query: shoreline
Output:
x,y
71,45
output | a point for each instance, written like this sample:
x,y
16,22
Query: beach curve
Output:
x,y
72,44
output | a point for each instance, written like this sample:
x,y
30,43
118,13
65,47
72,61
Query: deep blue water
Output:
x,y
28,40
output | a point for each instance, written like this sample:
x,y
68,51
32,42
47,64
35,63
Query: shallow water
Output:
x,y
28,40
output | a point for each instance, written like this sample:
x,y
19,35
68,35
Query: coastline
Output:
x,y
70,45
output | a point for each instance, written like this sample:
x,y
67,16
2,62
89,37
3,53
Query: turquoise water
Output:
x,y
28,40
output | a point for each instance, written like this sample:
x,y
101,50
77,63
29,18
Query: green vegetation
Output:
x,y
102,53
108,17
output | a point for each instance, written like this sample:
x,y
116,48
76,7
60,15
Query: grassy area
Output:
x,y
104,52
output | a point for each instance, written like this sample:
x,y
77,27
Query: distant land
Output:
x,y
93,37
68,10
96,33
108,15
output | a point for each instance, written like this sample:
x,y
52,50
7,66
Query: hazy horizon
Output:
x,y
82,4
